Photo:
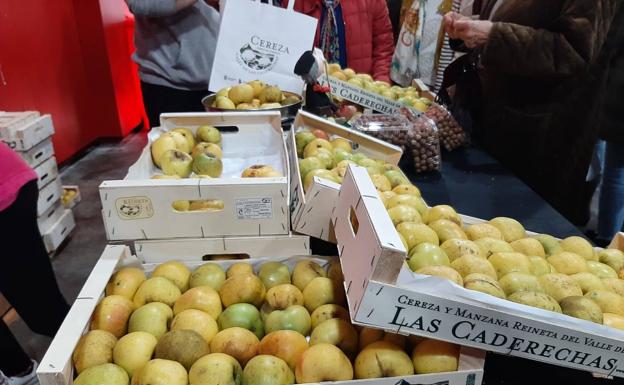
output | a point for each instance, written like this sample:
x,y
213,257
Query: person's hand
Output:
x,y
474,33
449,23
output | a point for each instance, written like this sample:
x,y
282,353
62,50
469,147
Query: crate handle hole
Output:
x,y
223,257
199,205
39,155
355,224
50,198
44,176
227,129
51,213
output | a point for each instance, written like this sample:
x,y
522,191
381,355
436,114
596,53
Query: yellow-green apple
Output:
x,y
125,282
431,356
549,243
396,178
341,154
321,291
94,348
260,171
239,268
302,138
153,318
224,103
601,270
208,134
209,164
324,155
188,136
323,174
308,164
216,369
112,314
337,332
103,374
208,274
161,372
273,274
329,311
156,289
267,370
134,350
208,148
403,213
305,271
442,212
174,271
242,315
282,296
176,162
246,288
342,143
202,298
166,142
371,165
417,233
323,362
258,86
381,183
314,145
427,254
198,321
406,189
612,257
285,344
383,359
237,342
271,94
294,317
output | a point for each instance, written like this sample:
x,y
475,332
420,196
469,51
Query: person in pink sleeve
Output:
x,y
27,280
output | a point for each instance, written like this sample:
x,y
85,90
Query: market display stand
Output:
x,y
30,135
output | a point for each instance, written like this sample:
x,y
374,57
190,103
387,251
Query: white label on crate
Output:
x,y
254,208
421,314
131,208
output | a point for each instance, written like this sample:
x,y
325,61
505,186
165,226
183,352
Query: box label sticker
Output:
x,y
131,208
254,208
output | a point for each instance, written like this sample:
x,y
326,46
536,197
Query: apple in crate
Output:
x,y
237,342
216,369
197,320
175,162
285,344
302,138
94,348
323,362
282,296
260,171
112,314
165,142
273,274
207,147
208,134
294,317
105,374
161,372
242,315
383,359
267,370
336,332
206,163
153,318
208,274
188,136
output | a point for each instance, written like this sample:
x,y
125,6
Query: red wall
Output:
x,y
54,58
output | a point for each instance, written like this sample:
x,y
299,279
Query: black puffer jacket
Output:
x,y
612,122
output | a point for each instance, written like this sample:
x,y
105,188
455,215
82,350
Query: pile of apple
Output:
x,y
408,96
499,258
328,158
270,327
253,95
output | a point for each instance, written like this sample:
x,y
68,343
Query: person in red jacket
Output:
x,y
355,33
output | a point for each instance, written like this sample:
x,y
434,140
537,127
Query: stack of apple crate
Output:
x,y
30,135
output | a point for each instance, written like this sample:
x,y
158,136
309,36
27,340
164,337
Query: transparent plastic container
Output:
x,y
452,135
393,129
423,142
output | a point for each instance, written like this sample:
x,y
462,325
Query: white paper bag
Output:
x,y
260,41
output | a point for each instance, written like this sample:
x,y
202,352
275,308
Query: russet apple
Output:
x,y
246,288
273,274
94,348
112,314
237,342
156,289
174,271
153,318
103,374
242,315
183,346
328,311
323,362
294,317
285,344
208,134
383,359
208,274
161,372
134,350
216,369
338,332
175,162
202,298
125,282
267,370
305,271
282,296
198,321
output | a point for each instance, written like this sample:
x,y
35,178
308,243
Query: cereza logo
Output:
x,y
134,208
259,56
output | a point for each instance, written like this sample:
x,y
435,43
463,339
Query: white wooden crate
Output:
x,y
140,208
384,293
56,366
311,211
59,230
48,196
24,136
46,172
39,153
50,216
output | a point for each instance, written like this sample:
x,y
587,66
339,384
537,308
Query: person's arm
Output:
x,y
158,8
572,42
383,42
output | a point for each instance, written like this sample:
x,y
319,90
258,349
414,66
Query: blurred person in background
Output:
x,y
175,42
27,280
354,33
542,69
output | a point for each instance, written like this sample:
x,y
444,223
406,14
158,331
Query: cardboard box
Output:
x,y
46,172
50,216
311,211
48,196
140,208
203,249
59,231
22,137
384,293
56,366
38,154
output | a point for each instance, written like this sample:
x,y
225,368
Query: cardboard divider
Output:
x,y
390,296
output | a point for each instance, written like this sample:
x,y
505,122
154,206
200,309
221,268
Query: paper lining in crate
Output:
x,y
141,208
311,211
383,292
56,367
25,134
